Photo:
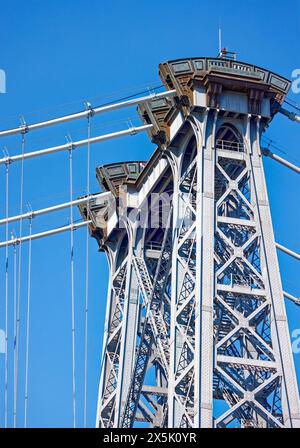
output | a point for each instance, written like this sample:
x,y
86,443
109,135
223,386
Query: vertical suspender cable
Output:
x,y
6,301
15,331
87,277
19,279
72,287
28,323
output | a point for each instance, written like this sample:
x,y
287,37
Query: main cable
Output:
x,y
289,101
148,85
78,144
107,107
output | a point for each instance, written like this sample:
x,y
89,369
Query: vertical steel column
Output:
x,y
254,372
120,329
205,282
172,342
279,324
181,395
104,365
131,308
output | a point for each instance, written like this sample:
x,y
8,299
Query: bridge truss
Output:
x,y
196,332
205,337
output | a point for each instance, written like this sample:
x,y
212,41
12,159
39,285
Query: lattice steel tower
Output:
x,y
196,332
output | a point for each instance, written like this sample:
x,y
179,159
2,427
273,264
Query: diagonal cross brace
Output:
x,y
152,325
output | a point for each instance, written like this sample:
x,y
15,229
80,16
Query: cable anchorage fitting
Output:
x,y
70,143
30,212
15,240
89,109
24,128
131,128
266,151
7,159
152,92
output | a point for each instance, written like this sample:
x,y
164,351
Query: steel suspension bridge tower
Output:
x,y
196,331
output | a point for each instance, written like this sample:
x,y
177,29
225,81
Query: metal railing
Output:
x,y
226,145
153,245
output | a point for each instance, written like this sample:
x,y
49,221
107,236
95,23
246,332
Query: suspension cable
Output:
x,y
110,98
15,332
79,144
292,103
291,115
28,324
268,153
34,213
98,110
288,251
292,298
19,271
35,236
72,286
87,275
6,299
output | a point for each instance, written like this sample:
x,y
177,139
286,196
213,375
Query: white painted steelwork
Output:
x,y
281,160
70,146
288,251
34,213
196,332
35,236
87,113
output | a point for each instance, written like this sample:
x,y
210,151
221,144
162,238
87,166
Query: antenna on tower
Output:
x,y
224,52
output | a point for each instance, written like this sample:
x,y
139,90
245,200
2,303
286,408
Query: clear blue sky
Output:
x,y
56,54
